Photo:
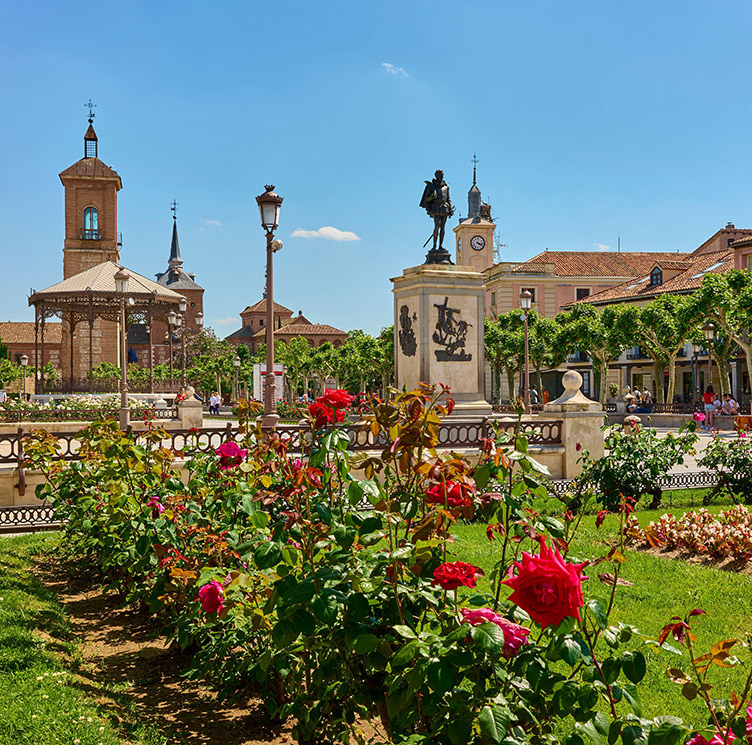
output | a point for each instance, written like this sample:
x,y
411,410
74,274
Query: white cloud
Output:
x,y
601,247
327,232
213,223
394,70
225,321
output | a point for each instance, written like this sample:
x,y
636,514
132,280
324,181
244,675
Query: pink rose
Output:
x,y
515,636
546,587
230,454
154,502
210,596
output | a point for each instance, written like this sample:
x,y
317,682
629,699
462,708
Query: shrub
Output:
x,y
635,462
732,462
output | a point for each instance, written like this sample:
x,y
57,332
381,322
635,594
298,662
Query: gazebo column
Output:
x,y
91,346
150,324
36,350
41,362
72,328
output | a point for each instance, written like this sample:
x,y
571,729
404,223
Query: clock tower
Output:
x,y
475,233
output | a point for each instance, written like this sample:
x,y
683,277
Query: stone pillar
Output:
x,y
190,411
439,312
582,422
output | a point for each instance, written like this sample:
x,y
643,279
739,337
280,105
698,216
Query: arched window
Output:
x,y
91,224
656,276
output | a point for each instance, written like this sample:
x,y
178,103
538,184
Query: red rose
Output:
x,y
323,415
546,587
336,399
451,575
451,493
210,596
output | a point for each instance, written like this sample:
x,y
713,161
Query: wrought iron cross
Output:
x,y
475,163
91,106
174,209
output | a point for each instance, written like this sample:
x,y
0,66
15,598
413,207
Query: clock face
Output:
x,y
477,243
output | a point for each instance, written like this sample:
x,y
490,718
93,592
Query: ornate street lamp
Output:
x,y
236,363
172,322
183,306
526,299
269,204
708,331
121,286
200,320
24,360
693,350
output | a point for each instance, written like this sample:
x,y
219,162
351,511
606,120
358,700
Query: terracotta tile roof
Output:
x,y
723,231
260,307
22,332
690,279
303,329
91,168
668,264
596,263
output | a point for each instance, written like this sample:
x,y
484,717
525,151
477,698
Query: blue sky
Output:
x,y
591,120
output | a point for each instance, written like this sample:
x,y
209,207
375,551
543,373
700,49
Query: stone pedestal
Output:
x,y
191,411
438,333
582,422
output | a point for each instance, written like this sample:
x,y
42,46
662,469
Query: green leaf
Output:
x,y
570,651
598,611
405,631
488,636
630,693
369,525
666,733
482,475
304,621
440,676
406,653
365,643
633,665
494,721
267,554
358,606
325,607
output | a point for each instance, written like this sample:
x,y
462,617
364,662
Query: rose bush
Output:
x,y
321,579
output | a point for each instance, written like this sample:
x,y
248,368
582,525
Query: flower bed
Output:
x,y
78,408
722,536
265,566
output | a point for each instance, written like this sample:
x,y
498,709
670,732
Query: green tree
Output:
x,y
504,344
601,335
296,357
385,359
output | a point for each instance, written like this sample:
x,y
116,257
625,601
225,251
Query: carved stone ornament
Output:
x,y
407,340
451,334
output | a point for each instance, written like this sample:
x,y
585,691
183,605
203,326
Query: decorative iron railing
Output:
x,y
81,415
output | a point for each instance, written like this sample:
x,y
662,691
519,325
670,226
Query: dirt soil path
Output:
x,y
121,647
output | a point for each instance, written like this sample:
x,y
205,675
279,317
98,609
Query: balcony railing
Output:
x,y
90,235
578,357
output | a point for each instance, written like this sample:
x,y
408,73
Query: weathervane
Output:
x,y
475,162
91,106
174,209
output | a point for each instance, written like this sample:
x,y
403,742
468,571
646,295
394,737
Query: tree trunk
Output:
x,y
671,379
510,382
496,366
539,381
600,373
658,367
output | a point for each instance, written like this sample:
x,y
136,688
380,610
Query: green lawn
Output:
x,y
662,588
45,697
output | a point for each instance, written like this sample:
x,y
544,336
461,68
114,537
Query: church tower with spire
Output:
x,y
177,279
91,188
475,234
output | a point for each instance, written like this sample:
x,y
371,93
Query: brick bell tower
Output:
x,y
91,238
91,187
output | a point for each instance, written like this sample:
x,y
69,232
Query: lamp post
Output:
x,y
693,350
526,299
121,286
269,204
183,306
172,322
709,331
24,360
236,363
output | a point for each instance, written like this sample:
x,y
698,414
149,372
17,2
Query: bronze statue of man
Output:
x,y
438,205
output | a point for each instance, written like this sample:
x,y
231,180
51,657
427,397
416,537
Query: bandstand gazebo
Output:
x,y
91,298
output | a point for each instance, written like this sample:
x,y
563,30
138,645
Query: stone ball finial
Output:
x,y
571,380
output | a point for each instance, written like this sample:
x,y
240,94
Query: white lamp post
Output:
x,y
121,286
269,204
526,299
24,360
236,363
708,331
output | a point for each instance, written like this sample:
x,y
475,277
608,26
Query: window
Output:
x,y
493,299
749,261
531,290
91,224
582,292
656,277
261,321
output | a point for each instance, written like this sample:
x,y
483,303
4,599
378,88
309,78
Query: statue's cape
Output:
x,y
427,192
